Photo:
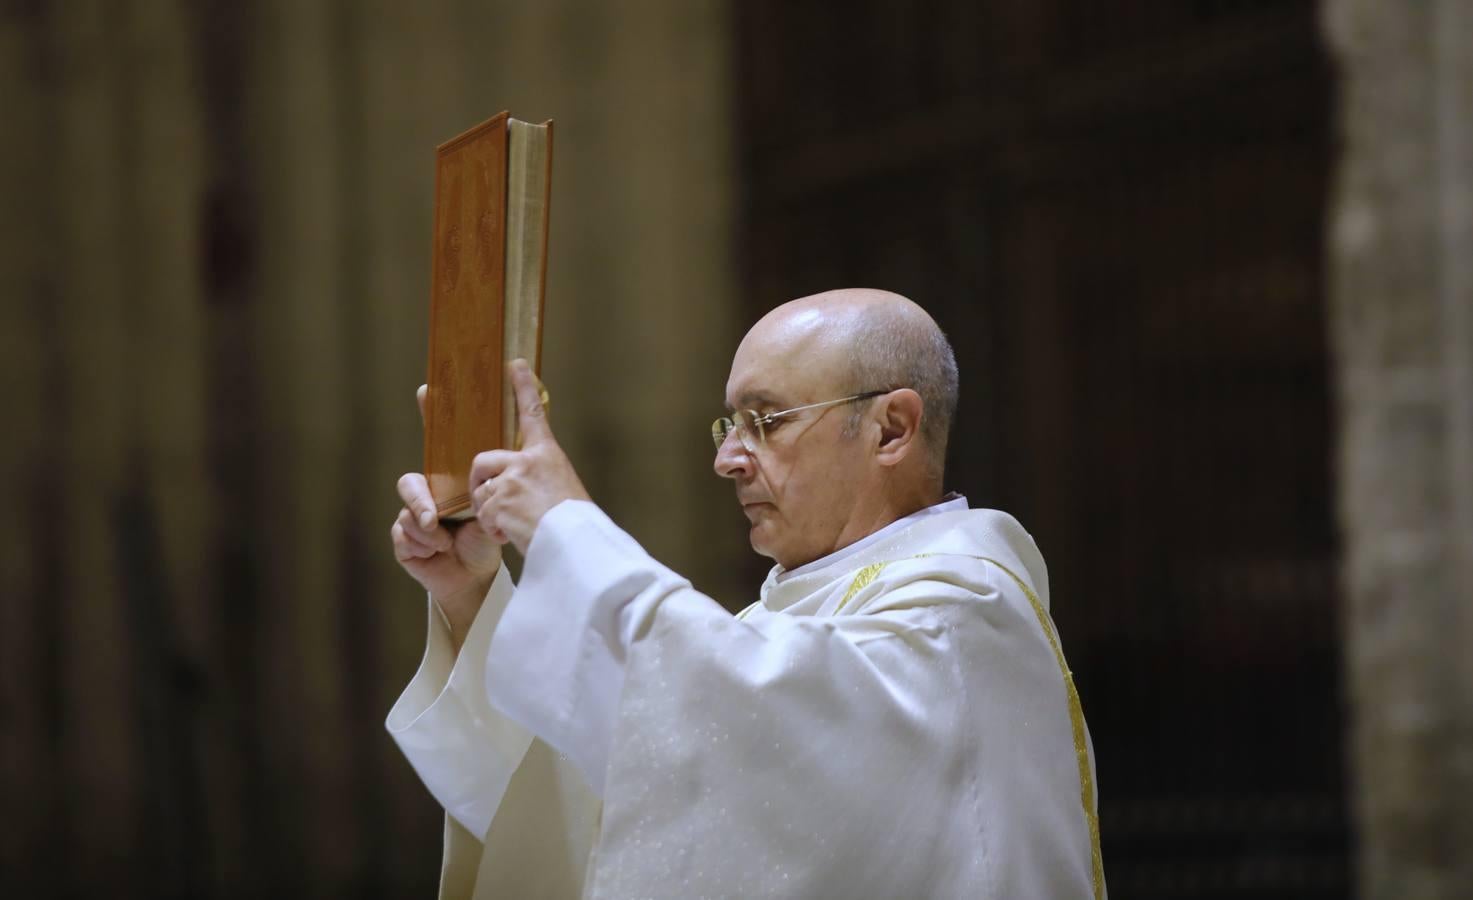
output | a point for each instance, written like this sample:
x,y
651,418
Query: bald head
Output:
x,y
823,468
862,339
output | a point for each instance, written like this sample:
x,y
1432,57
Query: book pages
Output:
x,y
528,149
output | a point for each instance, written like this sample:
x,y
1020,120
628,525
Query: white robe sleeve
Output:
x,y
463,750
559,656
556,662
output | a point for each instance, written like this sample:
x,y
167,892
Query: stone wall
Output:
x,y
1401,255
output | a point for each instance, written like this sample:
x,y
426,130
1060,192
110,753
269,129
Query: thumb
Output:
x,y
419,397
531,412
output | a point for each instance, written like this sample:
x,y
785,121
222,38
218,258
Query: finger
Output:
x,y
419,398
437,537
487,465
414,490
531,415
484,516
406,548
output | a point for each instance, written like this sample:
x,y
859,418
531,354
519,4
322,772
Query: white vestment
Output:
x,y
895,720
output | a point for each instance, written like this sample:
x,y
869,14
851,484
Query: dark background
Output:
x,y
216,256
1116,212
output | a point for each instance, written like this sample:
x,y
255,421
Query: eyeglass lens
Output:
x,y
747,425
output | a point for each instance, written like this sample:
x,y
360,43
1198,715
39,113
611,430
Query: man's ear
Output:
x,y
900,425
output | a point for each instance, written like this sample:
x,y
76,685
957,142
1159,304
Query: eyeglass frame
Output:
x,y
760,422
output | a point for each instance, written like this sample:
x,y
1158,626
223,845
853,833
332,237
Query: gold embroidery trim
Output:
x,y
865,576
1076,722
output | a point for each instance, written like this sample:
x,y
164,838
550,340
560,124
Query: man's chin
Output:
x,y
760,535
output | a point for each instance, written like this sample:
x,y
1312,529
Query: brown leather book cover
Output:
x,y
489,263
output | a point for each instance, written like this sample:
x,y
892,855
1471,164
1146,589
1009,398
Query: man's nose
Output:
x,y
732,458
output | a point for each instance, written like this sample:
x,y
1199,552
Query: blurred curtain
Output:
x,y
216,223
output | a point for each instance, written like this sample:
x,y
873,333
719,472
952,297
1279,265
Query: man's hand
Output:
x,y
512,490
455,562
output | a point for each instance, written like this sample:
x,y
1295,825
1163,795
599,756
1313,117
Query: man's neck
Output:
x,y
889,509
842,549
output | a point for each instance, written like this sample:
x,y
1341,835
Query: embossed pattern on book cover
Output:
x,y
464,399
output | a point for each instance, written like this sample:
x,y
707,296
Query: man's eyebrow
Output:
x,y
750,399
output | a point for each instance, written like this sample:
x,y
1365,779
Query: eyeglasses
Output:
x,y
751,426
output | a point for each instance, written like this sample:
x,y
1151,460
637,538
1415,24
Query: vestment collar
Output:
x,y
952,502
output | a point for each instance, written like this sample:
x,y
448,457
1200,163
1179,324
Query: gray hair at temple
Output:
x,y
893,350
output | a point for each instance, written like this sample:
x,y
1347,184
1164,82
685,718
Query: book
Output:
x,y
487,294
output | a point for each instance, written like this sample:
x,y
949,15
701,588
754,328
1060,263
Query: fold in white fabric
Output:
x,y
464,753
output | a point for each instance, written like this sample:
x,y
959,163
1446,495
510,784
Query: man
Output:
x,y
893,718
